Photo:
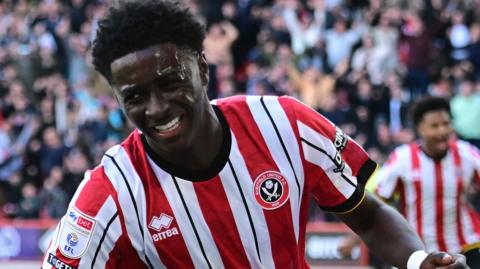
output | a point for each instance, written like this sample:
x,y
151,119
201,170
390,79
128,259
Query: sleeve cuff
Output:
x,y
350,204
366,171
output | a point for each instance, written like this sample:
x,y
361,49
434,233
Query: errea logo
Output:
x,y
157,223
164,222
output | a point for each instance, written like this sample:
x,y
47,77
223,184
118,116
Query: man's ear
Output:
x,y
203,66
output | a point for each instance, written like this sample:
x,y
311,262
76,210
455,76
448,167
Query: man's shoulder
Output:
x,y
462,144
251,99
401,153
133,140
404,148
97,179
467,150
229,100
93,191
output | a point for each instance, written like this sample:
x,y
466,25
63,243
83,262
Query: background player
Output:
x,y
434,178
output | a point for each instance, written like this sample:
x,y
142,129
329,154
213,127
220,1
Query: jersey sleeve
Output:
x,y
87,236
336,167
388,176
476,164
472,154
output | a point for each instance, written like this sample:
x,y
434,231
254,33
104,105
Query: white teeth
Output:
x,y
168,126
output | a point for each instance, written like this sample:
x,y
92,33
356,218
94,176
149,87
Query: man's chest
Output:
x,y
238,211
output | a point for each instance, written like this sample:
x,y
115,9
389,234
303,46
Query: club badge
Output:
x,y
271,190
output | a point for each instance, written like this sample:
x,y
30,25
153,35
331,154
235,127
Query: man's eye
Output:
x,y
134,97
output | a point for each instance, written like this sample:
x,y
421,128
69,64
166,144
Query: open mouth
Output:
x,y
170,128
441,142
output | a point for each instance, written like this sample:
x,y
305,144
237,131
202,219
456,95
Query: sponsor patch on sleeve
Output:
x,y
76,233
57,263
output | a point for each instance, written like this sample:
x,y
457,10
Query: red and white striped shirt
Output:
x,y
432,193
250,211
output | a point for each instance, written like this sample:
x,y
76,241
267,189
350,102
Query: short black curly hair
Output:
x,y
132,25
427,104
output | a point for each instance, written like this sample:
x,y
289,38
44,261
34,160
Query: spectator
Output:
x,y
370,58
397,107
11,194
385,38
312,85
53,197
30,205
306,31
340,40
474,48
10,158
75,165
466,112
217,44
416,53
52,150
459,36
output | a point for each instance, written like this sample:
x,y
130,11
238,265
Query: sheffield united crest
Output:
x,y
271,190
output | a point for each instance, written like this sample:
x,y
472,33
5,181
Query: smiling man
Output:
x,y
161,91
221,184
433,178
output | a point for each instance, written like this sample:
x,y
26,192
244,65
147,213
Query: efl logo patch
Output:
x,y
271,190
76,233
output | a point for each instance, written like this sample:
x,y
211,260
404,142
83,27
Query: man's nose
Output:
x,y
158,105
444,129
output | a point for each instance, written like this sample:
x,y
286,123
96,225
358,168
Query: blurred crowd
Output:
x,y
360,63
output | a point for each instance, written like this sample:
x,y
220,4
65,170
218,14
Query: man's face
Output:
x,y
162,91
435,129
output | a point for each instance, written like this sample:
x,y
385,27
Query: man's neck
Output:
x,y
435,156
201,156
204,159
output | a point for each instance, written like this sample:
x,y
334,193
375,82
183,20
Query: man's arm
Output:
x,y
388,235
90,234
